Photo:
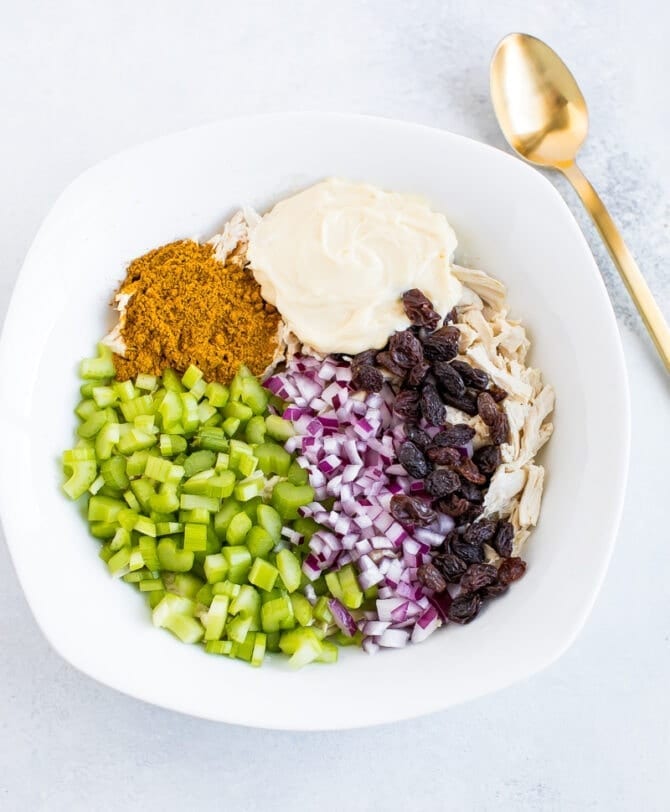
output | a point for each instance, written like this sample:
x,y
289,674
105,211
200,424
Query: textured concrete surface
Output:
x,y
80,81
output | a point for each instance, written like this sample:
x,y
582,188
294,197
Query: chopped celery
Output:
x,y
227,588
189,415
166,500
193,501
215,567
105,552
98,368
237,410
204,595
352,594
104,509
254,395
171,381
173,559
191,376
238,527
145,526
199,461
288,565
250,487
194,516
147,546
124,390
224,647
263,574
86,408
146,382
104,396
186,628
322,610
113,471
270,521
258,653
136,463
103,530
195,537
258,541
135,440
82,476
118,564
143,405
155,597
246,602
186,584
217,394
150,584
97,484
92,425
238,559
254,431
303,645
302,609
206,411
287,498
158,468
277,614
329,652
171,444
215,619
238,628
169,528
333,583
272,459
278,428
297,475
230,425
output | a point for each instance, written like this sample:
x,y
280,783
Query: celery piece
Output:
x,y
176,474
135,440
288,565
305,526
158,468
155,597
191,376
186,584
171,444
105,552
143,490
146,422
136,561
277,614
302,609
127,518
237,451
186,628
215,567
215,619
103,530
81,453
224,647
170,410
278,428
254,431
104,509
238,559
136,463
92,425
172,381
85,408
118,564
287,498
322,610
247,465
238,528
258,652
199,461
217,394
222,461
166,500
98,368
272,459
230,425
272,641
259,542
194,516
193,501
221,486
121,539
227,588
168,528
343,640
270,521
246,602
223,518
297,475
254,395
329,652
251,506
333,583
237,628
150,584
131,501
145,526
96,485
205,411
104,396
113,472
142,405
195,537
146,382
197,484
204,595
125,390
86,389
352,594
189,416
263,574
82,474
250,487
173,559
212,438
303,645
147,546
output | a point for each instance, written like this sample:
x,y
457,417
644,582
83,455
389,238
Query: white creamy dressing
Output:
x,y
335,259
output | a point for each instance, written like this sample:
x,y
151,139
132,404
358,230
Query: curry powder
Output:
x,y
188,308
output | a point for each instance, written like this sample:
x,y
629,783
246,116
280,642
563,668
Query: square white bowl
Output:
x,y
510,221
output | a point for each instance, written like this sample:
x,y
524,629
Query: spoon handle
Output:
x,y
623,259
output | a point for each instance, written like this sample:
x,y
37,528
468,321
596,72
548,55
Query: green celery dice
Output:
x,y
238,528
287,498
259,541
268,518
289,568
239,563
215,568
263,574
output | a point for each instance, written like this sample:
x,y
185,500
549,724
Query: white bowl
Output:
x,y
509,220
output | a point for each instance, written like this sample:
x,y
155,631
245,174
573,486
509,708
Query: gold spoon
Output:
x,y
543,116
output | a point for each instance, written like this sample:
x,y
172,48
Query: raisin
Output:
x,y
443,347
453,505
367,377
464,608
419,309
504,539
499,431
419,437
407,404
474,512
412,460
405,349
497,393
468,470
493,591
431,577
410,510
451,317
442,482
451,566
481,532
487,408
432,407
511,570
443,455
478,576
475,378
385,360
448,379
471,492
456,436
366,357
416,374
470,553
487,459
466,403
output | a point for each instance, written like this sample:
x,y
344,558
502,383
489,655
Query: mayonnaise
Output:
x,y
335,259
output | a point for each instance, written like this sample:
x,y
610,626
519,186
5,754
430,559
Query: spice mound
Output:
x,y
180,306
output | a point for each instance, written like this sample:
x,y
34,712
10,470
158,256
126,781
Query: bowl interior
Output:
x,y
509,220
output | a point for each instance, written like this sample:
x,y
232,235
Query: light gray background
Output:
x,y
81,80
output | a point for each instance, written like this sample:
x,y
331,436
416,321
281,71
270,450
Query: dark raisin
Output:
x,y
478,576
448,379
451,317
474,512
405,349
430,576
442,347
493,591
453,505
487,459
497,393
442,482
443,455
471,492
412,460
456,436
499,431
366,357
504,539
487,408
410,510
464,608
407,404
451,566
467,403
367,377
384,359
468,470
511,570
470,553
432,407
419,437
475,378
419,309
481,532
416,374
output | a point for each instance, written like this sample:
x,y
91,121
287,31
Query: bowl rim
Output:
x,y
620,476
